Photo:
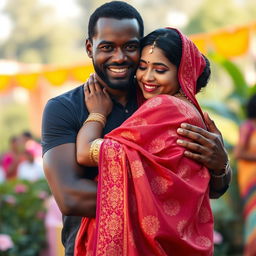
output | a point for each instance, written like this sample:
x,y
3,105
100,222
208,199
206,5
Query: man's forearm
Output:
x,y
74,195
80,200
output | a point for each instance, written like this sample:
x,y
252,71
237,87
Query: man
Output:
x,y
115,29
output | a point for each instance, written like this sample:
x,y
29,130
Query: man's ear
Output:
x,y
88,47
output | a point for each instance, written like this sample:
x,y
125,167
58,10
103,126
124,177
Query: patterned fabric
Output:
x,y
151,199
247,186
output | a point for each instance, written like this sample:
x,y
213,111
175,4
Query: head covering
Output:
x,y
191,66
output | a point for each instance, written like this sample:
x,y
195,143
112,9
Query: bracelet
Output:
x,y
226,169
96,117
95,150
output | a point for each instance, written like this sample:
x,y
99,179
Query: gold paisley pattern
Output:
x,y
113,250
203,173
113,224
111,153
203,241
184,172
137,169
137,121
154,102
159,185
116,171
150,225
128,135
172,133
171,207
204,215
185,229
111,221
181,226
115,195
156,146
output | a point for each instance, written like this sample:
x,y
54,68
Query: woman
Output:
x,y
245,153
151,199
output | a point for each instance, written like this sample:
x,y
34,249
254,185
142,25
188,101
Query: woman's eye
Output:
x,y
160,71
142,68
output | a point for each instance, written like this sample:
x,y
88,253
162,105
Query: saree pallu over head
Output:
x,y
151,199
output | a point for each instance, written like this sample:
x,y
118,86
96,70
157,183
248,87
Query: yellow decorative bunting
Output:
x,y
4,81
201,42
81,73
227,42
56,77
28,81
231,43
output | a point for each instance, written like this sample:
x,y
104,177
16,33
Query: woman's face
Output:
x,y
156,74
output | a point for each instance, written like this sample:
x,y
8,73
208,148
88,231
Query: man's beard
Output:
x,y
119,85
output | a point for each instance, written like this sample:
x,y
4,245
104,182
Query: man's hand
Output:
x,y
206,147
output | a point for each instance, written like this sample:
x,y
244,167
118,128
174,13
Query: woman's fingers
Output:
x,y
91,84
86,90
96,84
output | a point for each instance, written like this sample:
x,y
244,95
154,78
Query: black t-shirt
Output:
x,y
62,118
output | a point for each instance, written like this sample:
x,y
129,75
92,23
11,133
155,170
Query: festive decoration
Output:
x,y
229,42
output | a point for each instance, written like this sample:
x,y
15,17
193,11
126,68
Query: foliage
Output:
x,y
22,216
228,209
241,91
13,121
37,36
209,17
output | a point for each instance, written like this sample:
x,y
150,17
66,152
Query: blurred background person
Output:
x,y
31,168
12,158
245,153
31,144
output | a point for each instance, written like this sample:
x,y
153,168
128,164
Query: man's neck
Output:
x,y
120,96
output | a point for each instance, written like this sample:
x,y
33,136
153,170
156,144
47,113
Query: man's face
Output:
x,y
115,51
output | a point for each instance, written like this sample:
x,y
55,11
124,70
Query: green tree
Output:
x,y
216,14
36,36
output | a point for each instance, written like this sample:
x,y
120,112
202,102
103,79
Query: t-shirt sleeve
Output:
x,y
58,125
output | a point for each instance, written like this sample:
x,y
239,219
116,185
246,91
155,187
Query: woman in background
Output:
x,y
245,153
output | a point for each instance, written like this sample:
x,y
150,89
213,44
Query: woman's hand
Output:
x,y
97,100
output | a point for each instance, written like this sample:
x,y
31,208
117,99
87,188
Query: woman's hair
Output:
x,y
117,10
169,41
251,107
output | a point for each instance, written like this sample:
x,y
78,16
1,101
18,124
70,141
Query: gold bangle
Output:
x,y
96,117
95,150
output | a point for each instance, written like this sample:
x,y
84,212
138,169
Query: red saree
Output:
x,y
151,199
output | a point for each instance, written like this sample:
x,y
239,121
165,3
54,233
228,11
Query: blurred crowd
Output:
x,y
23,159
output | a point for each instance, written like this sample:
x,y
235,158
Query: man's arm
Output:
x,y
74,195
207,147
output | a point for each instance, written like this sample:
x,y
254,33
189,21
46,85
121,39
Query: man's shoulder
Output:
x,y
72,99
70,95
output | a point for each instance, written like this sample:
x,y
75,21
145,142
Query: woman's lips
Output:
x,y
149,87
